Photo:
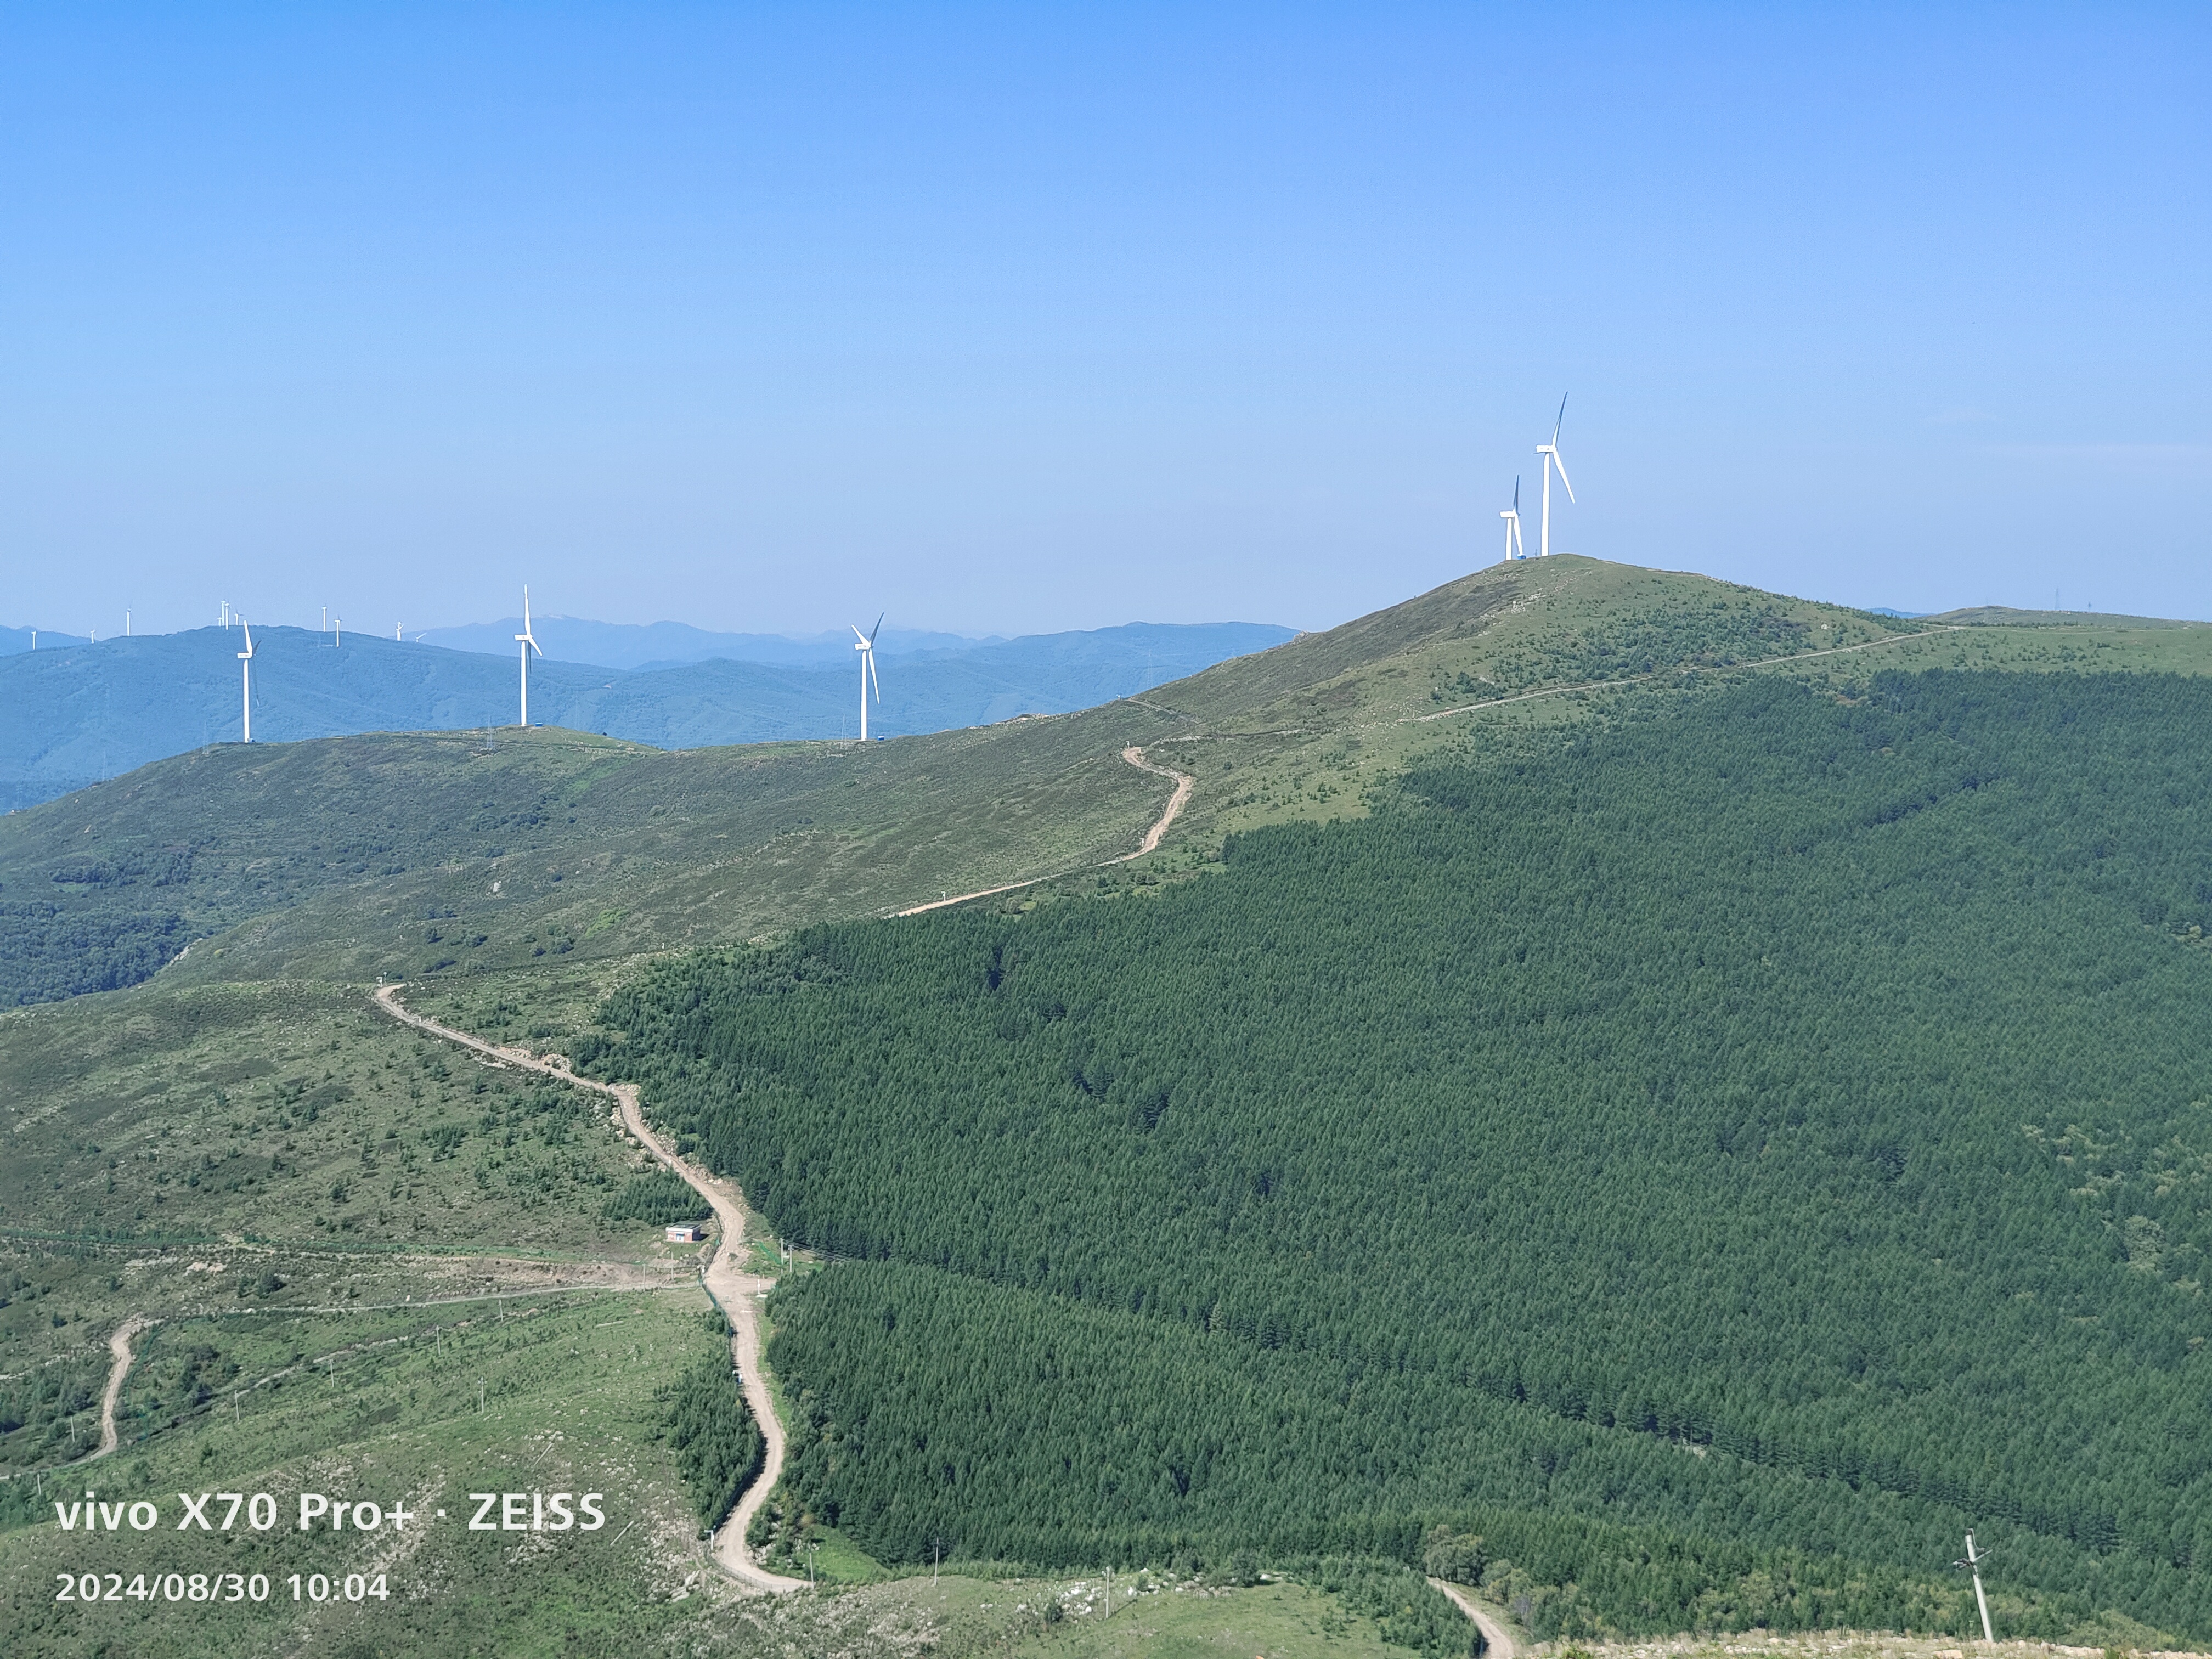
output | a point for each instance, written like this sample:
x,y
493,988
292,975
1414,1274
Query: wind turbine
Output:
x,y
528,645
866,647
1512,517
245,672
1550,451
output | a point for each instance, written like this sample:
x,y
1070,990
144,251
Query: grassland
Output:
x,y
397,1407
228,1150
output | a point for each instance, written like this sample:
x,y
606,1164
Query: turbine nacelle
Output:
x,y
525,637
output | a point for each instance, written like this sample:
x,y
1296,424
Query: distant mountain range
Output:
x,y
666,644
13,639
78,713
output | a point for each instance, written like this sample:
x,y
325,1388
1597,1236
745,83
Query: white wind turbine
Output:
x,y
1515,547
528,645
866,647
1550,451
246,671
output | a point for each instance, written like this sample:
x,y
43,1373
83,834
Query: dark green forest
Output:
x,y
710,1428
48,952
657,1198
1714,1160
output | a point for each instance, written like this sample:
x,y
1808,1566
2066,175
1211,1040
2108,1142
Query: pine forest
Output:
x,y
1679,1172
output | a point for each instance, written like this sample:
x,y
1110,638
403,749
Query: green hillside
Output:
x,y
340,851
1811,1085
345,855
1581,1100
351,857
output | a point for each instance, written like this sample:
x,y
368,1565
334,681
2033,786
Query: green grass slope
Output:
x,y
346,855
343,856
413,1409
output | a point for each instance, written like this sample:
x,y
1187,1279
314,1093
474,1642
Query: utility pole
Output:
x,y
1973,1564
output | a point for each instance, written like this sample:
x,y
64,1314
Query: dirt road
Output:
x,y
1184,783
733,1289
1493,1628
1638,679
118,1348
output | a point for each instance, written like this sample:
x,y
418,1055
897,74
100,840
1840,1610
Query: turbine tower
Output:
x,y
866,647
1973,1564
1512,517
528,645
1550,451
245,672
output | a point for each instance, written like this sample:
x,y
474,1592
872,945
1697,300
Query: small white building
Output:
x,y
687,1235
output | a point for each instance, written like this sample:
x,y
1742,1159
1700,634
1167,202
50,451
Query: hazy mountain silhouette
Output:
x,y
74,714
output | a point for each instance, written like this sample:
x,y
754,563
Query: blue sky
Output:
x,y
1010,318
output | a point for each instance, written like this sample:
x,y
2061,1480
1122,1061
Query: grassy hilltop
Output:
x,y
1529,1121
343,856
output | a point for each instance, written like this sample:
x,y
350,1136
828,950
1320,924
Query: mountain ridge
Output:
x,y
605,848
76,715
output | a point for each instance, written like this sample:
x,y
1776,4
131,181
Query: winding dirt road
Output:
x,y
1184,783
735,1291
119,1349
1493,1629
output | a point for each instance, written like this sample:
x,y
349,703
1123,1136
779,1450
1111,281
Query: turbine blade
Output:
x,y
1562,465
858,635
874,675
878,628
1516,492
1559,419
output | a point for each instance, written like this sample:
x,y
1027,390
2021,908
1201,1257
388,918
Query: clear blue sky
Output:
x,y
1018,317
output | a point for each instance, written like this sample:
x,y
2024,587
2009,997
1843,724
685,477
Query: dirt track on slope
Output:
x,y
1639,679
118,1348
1493,1629
733,1289
1184,783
